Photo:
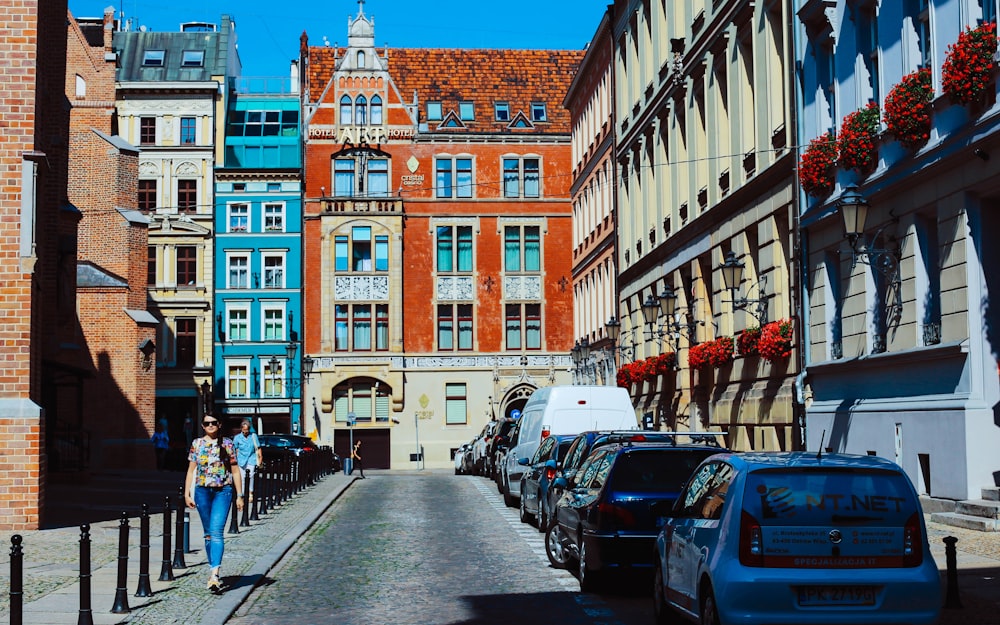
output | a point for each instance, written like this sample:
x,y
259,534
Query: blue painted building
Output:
x,y
258,265
901,341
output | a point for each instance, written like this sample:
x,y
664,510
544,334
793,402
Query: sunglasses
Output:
x,y
208,423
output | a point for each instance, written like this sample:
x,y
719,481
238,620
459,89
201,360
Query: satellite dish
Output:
x,y
142,28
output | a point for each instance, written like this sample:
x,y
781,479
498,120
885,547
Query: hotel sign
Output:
x,y
372,135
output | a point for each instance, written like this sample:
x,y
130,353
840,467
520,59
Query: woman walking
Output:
x,y
209,487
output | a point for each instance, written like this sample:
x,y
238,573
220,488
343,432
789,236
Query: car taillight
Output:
x,y
751,541
913,543
545,432
610,514
550,473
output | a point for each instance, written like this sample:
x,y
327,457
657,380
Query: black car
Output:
x,y
297,445
538,476
500,438
609,515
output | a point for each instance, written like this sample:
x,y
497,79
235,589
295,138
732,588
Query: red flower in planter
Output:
x,y
856,141
711,353
908,109
968,64
817,164
776,340
746,342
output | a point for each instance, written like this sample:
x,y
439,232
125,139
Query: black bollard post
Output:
x,y
121,593
86,616
16,580
262,485
187,529
952,599
256,494
234,522
245,520
166,572
144,590
179,532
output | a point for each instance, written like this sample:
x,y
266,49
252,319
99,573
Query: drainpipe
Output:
x,y
801,240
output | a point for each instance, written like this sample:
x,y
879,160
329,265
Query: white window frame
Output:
x,y
154,58
192,58
275,378
231,208
281,256
280,308
232,376
238,307
501,107
280,213
542,110
231,256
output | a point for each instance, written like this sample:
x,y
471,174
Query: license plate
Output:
x,y
836,595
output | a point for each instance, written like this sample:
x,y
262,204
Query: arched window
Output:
x,y
361,59
345,111
376,111
81,87
361,111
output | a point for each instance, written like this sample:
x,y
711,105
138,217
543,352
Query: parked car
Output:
x,y
501,435
480,445
586,442
538,475
460,459
608,518
796,538
501,459
298,445
558,410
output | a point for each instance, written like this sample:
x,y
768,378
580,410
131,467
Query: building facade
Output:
x,y
703,123
258,270
590,101
901,349
172,93
439,285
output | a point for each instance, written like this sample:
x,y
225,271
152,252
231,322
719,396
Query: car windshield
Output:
x,y
820,496
656,470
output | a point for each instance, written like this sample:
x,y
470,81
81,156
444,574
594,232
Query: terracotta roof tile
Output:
x,y
482,76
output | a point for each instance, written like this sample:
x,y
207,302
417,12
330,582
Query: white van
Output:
x,y
558,410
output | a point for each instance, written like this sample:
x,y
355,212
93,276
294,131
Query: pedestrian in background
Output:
x,y
211,479
356,459
248,453
161,444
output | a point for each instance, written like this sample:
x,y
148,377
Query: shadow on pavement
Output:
x,y
75,498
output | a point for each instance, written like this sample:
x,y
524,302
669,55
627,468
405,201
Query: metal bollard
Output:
x,y
16,580
262,485
179,531
86,615
121,594
187,530
234,522
952,599
166,572
143,589
245,520
256,484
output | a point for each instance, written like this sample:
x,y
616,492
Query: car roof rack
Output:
x,y
711,439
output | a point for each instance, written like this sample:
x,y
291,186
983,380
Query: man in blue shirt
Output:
x,y
248,454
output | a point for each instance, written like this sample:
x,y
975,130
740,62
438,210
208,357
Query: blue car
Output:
x,y
796,538
538,475
608,517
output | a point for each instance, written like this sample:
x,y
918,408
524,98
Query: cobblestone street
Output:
x,y
421,549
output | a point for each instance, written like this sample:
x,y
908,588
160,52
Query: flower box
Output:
x,y
817,165
711,353
856,142
908,109
969,64
746,342
775,342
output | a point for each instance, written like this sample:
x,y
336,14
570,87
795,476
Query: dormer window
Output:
x,y
501,111
361,59
192,58
434,111
538,113
466,111
153,58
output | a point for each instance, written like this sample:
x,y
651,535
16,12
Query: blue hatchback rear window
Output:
x,y
657,470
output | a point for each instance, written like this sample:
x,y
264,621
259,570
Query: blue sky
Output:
x,y
268,30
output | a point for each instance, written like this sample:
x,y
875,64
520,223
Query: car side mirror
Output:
x,y
560,482
551,464
523,461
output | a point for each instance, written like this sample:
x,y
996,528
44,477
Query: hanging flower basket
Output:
x,y
968,64
746,342
646,370
908,109
711,353
817,165
856,140
775,342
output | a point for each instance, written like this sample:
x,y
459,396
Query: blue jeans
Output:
x,y
213,506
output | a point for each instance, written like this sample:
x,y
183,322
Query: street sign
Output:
x,y
515,414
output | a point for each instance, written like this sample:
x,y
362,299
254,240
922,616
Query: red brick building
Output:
x,y
437,240
116,332
36,302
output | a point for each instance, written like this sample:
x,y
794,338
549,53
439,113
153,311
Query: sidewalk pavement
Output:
x,y
51,556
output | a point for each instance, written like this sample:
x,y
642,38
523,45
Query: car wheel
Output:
x,y
589,578
508,499
526,517
663,613
555,547
709,612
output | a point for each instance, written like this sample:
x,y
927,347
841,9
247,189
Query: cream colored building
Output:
x,y
704,128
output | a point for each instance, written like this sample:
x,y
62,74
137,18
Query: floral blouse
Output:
x,y
210,468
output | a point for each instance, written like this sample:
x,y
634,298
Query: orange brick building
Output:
x,y
437,240
35,300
